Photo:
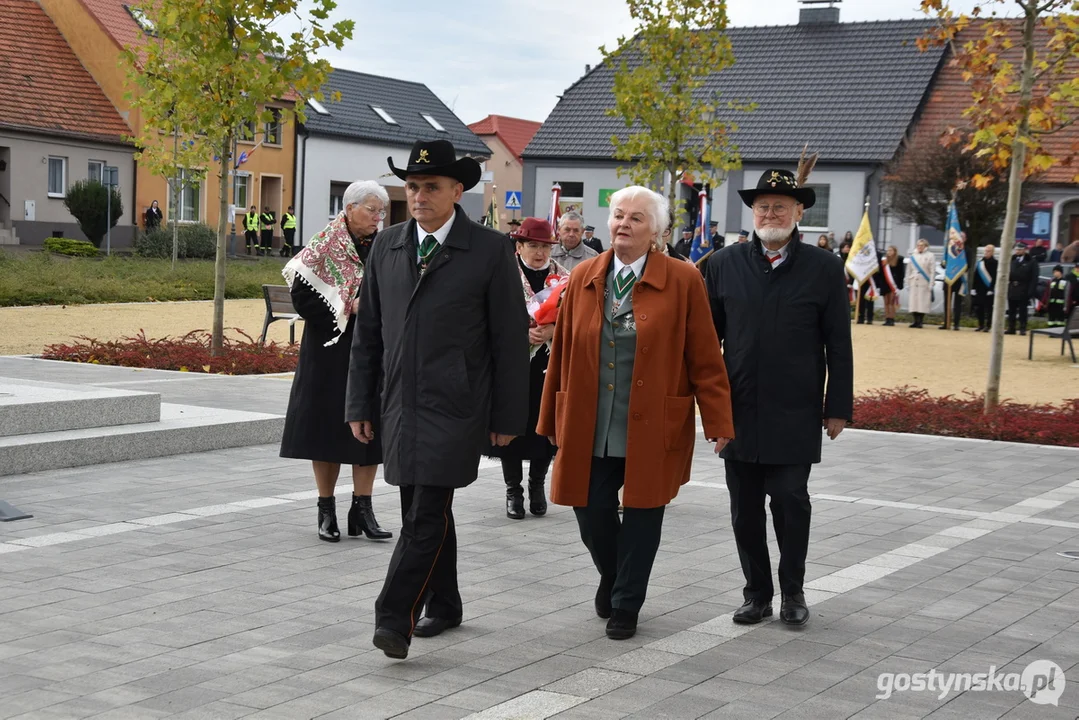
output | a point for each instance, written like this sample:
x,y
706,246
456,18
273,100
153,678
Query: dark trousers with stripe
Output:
x,y
623,551
983,309
423,568
788,487
267,240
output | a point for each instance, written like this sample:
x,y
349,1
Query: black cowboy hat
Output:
x,y
438,157
779,182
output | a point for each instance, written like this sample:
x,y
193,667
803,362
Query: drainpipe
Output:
x,y
301,183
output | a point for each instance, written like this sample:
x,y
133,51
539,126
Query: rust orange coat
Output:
x,y
677,359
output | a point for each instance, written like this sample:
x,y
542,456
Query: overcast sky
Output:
x,y
514,57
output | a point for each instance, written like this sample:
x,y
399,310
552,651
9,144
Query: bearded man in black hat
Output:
x,y
442,327
781,311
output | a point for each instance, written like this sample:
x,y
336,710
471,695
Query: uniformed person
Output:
x,y
288,227
268,221
251,229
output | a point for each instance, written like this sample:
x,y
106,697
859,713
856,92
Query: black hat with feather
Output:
x,y
784,182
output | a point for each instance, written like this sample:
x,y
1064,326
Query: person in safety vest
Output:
x,y
268,221
251,229
288,227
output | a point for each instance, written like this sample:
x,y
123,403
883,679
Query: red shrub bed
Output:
x,y
911,410
190,353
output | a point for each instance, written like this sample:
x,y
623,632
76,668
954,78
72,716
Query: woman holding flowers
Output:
x,y
324,279
542,280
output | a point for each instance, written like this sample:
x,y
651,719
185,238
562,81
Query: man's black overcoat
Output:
x,y
786,335
452,349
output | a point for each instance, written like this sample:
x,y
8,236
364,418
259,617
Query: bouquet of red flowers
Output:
x,y
543,307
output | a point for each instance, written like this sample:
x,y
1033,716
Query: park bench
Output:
x,y
279,307
1065,333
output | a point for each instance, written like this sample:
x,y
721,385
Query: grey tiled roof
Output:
x,y
352,116
850,90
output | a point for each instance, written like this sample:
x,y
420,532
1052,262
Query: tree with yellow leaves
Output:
x,y
207,67
1025,89
659,91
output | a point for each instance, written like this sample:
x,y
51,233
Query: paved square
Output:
x,y
195,587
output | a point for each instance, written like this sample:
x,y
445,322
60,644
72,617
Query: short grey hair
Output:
x,y
656,207
571,215
360,190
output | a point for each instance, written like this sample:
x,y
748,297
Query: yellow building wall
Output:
x,y
508,175
102,58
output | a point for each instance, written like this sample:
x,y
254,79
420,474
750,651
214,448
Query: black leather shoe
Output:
x,y
361,518
327,520
431,626
515,503
603,597
394,644
537,499
793,611
622,625
752,612
1009,332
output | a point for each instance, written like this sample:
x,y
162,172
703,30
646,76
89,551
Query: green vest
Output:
x,y
267,221
251,221
617,349
289,222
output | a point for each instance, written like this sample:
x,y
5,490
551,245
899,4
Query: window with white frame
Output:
x,y
816,217
95,170
57,177
433,123
386,117
337,198
190,195
242,191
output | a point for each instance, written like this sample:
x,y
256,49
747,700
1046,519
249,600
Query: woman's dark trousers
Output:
x,y
623,550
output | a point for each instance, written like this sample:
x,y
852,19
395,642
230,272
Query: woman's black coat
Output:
x,y
787,345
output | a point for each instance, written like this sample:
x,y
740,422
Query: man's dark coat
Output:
x,y
451,349
786,336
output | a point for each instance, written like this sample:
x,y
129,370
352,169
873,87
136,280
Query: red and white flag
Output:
x,y
556,209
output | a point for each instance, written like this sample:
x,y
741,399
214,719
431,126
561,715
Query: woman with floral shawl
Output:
x,y
324,279
541,277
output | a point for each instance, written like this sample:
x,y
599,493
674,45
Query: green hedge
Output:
x,y
194,240
46,279
74,248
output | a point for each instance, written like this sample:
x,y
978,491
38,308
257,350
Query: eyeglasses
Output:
x,y
763,210
379,213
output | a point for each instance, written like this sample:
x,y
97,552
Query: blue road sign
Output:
x,y
513,200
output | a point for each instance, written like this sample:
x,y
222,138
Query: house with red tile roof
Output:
x,y
98,31
57,126
1056,194
506,137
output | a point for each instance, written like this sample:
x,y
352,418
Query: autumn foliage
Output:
x,y
190,353
912,410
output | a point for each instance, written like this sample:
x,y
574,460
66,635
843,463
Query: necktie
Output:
x,y
623,282
427,251
774,258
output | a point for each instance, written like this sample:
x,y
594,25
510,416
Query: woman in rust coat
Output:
x,y
633,347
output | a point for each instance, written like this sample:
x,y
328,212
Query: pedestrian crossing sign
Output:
x,y
513,200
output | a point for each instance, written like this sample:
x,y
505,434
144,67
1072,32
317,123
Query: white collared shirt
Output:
x,y
637,266
781,253
441,234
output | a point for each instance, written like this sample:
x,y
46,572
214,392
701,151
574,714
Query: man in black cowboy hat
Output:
x,y
442,325
781,311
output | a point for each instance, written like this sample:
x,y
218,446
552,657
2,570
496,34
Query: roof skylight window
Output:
x,y
384,115
433,123
317,106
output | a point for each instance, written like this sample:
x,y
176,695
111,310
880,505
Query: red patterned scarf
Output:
x,y
330,264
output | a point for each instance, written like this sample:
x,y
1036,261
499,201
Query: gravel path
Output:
x,y
943,362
